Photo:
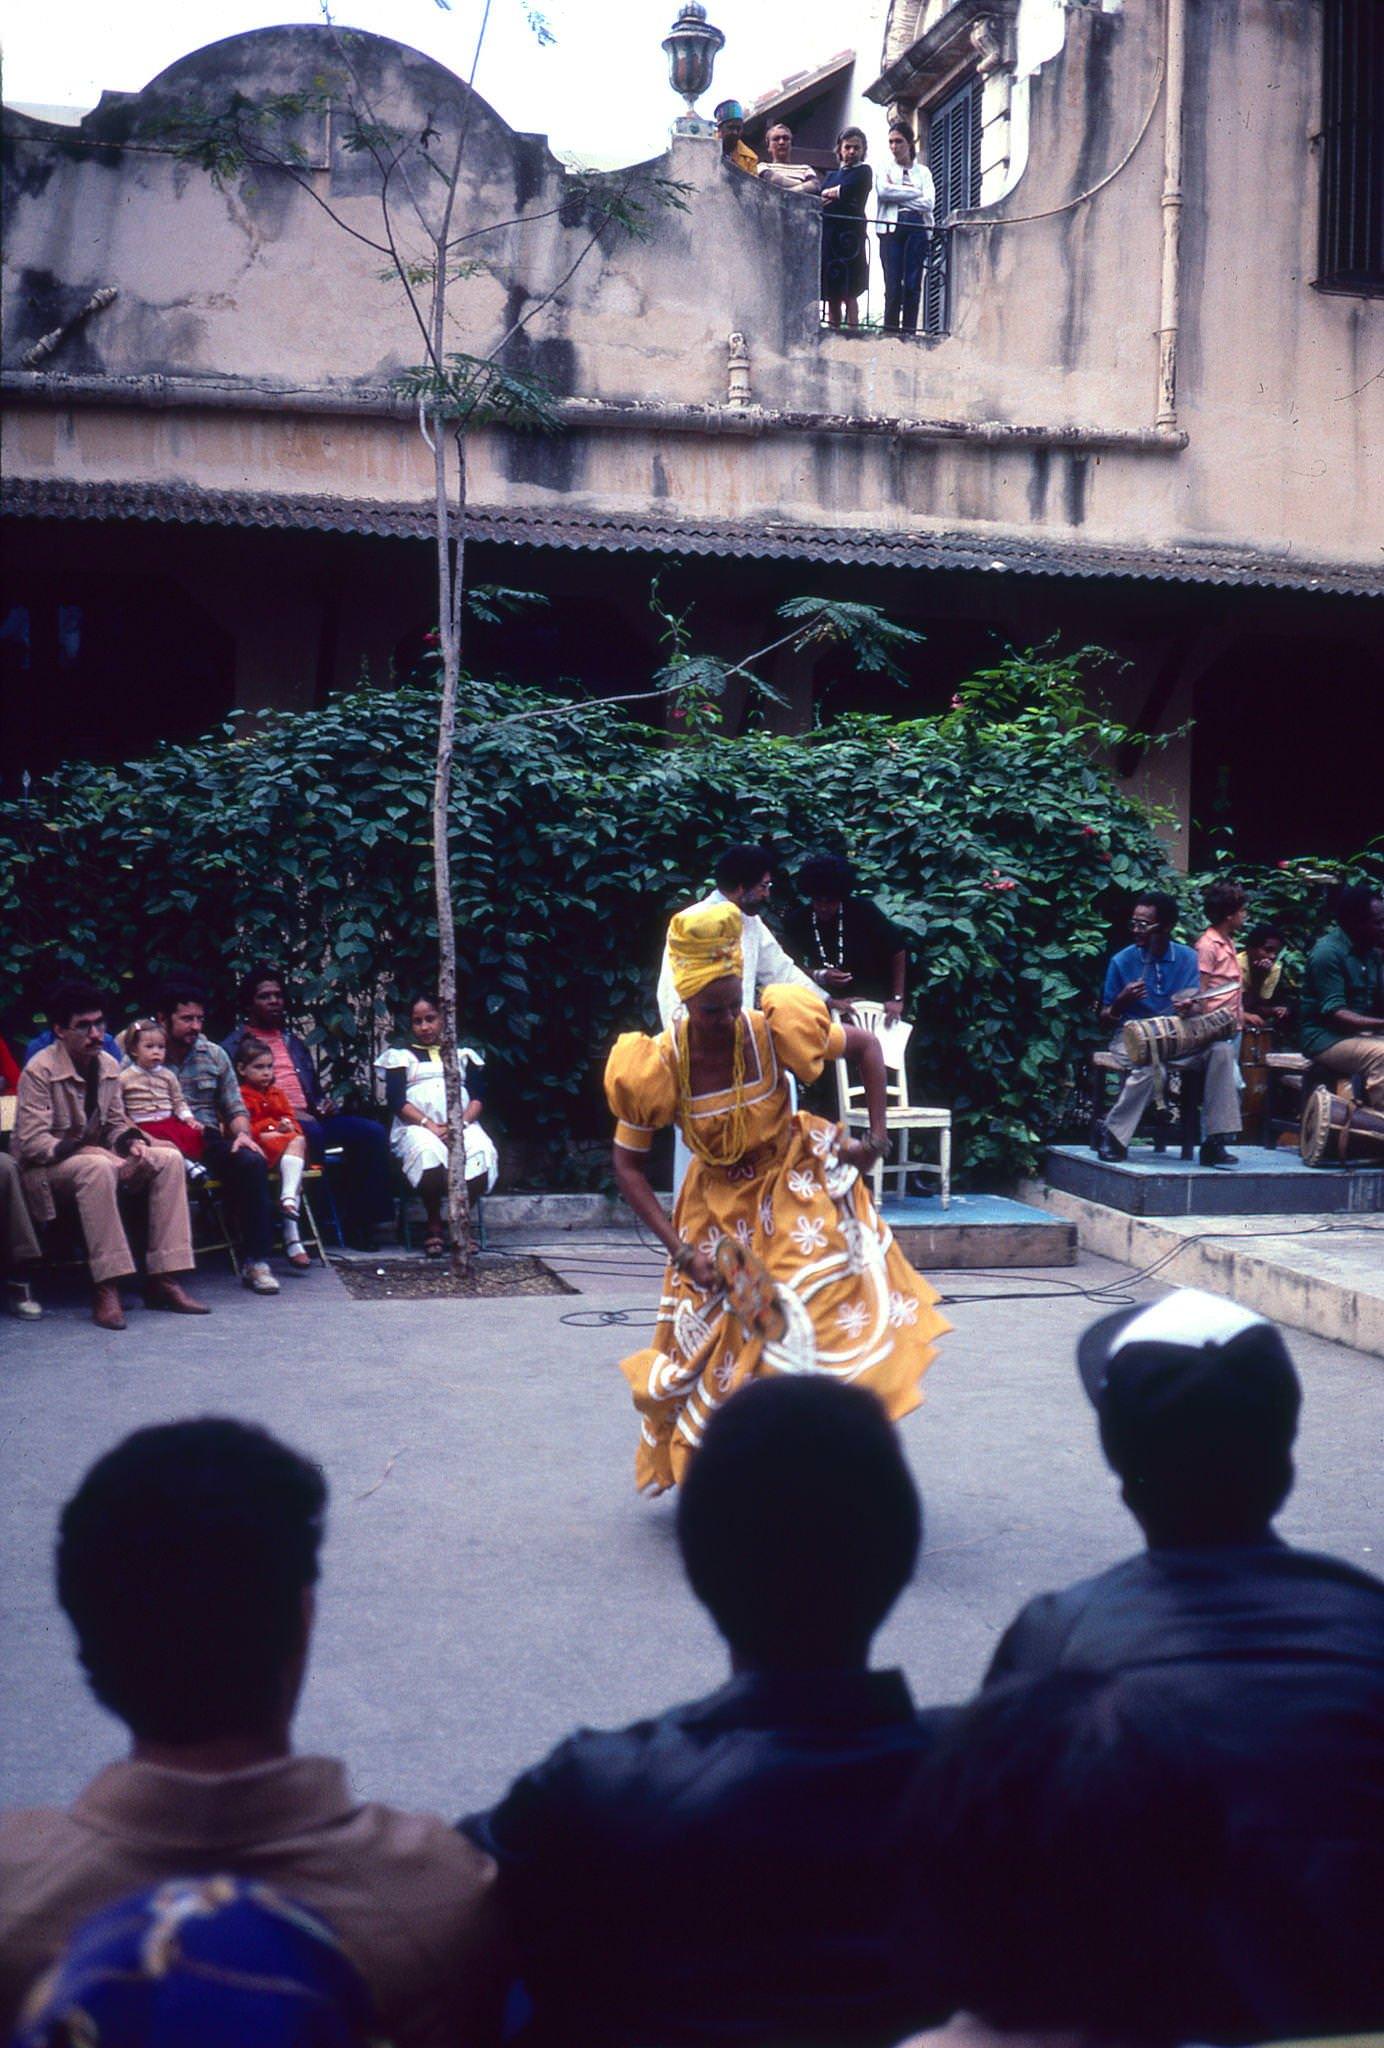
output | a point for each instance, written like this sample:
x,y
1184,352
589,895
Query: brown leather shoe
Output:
x,y
166,1293
106,1311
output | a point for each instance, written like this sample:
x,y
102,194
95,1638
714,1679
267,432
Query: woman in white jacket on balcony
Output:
x,y
905,203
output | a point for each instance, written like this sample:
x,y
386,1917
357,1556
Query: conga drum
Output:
x,y
1336,1131
1256,1043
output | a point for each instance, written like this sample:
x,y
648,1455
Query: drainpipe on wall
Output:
x,y
1175,61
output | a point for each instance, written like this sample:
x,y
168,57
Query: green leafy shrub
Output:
x,y
991,834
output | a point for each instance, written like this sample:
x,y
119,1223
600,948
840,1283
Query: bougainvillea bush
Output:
x,y
991,834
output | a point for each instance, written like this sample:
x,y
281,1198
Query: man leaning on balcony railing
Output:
x,y
905,203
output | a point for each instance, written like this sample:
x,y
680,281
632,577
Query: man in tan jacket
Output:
x,y
77,1149
187,1564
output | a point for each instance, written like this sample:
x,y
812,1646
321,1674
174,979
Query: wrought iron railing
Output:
x,y
907,291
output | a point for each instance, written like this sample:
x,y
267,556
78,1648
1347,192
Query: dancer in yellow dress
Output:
x,y
779,1261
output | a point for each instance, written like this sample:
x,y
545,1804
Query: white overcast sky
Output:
x,y
600,91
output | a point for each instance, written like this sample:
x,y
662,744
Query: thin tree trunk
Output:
x,y
450,569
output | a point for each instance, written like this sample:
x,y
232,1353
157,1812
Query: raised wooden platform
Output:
x,y
978,1231
1264,1183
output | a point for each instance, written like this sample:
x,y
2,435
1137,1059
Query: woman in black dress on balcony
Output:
x,y
845,257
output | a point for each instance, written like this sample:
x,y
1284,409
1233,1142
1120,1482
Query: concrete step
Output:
x,y
1322,1274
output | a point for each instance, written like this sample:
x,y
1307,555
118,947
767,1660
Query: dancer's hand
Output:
x,y
857,1152
701,1272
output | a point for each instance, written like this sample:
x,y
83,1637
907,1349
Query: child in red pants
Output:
x,y
153,1097
279,1135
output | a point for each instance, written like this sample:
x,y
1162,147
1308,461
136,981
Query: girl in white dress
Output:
x,y
416,1091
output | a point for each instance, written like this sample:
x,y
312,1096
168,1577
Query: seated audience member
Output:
x,y
1120,1868
19,1248
1156,977
780,169
1217,960
1343,994
77,1150
729,1870
1268,1660
153,1098
364,1143
187,1561
416,1091
201,1962
1264,986
905,199
208,1082
279,1136
847,944
730,122
41,1040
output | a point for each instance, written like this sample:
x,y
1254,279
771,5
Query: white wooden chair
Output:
x,y
901,1116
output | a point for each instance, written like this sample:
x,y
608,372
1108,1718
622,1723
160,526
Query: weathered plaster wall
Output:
x,y
1055,317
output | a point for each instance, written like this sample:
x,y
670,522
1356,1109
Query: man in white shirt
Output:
x,y
744,876
905,206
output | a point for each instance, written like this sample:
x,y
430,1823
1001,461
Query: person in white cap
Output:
x,y
1197,1401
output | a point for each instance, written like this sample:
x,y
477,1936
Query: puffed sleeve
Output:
x,y
641,1089
805,1033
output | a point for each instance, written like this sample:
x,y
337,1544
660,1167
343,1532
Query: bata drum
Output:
x,y
1336,1131
1256,1043
1154,1041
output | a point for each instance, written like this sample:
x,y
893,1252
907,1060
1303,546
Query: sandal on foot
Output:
x,y
435,1246
299,1258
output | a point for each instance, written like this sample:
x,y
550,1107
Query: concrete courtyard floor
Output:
x,y
492,1579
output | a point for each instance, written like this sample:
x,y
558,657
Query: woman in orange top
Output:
x,y
778,1260
279,1135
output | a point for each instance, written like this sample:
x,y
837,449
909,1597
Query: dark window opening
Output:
x,y
1351,254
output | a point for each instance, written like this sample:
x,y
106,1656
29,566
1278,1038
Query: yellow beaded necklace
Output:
x,y
731,1143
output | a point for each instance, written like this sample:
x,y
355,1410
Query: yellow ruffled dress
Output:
x,y
853,1305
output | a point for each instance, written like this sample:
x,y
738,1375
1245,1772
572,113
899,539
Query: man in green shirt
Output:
x,y
1343,999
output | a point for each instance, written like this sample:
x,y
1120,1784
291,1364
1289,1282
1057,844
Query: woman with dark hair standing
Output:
x,y
845,258
904,207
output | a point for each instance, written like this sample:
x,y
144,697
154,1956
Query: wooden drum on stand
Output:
x,y
1337,1131
1256,1043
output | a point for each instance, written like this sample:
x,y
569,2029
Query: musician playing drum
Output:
x,y
1157,976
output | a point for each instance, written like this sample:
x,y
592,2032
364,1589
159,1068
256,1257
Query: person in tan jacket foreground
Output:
x,y
77,1148
187,1561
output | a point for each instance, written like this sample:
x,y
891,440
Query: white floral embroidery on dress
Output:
x,y
803,1184
809,1234
852,1317
824,1139
708,1245
743,1231
691,1330
766,1216
853,1237
903,1308
723,1374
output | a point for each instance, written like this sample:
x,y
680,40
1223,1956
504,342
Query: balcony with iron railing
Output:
x,y
906,293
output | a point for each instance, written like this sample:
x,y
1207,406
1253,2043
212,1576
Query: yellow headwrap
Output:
x,y
704,946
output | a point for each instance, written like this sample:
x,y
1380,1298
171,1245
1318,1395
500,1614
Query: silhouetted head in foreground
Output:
x,y
186,1562
1198,1405
799,1523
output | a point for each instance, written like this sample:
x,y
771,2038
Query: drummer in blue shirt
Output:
x,y
1157,977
